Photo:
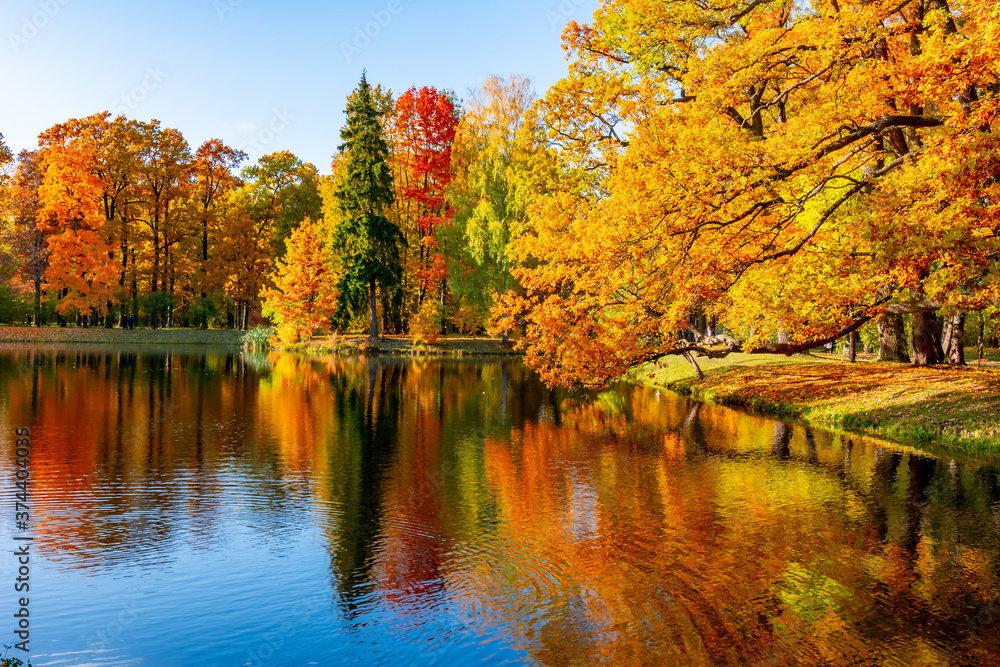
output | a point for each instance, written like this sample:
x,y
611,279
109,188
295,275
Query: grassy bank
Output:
x,y
119,336
453,346
948,406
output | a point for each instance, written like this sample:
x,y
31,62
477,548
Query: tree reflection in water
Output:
x,y
463,496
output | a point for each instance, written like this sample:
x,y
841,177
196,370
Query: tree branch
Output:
x,y
877,127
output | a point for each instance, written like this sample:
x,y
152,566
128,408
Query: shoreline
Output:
x,y
100,335
446,346
402,346
937,406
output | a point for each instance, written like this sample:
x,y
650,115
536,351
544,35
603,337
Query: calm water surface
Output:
x,y
211,508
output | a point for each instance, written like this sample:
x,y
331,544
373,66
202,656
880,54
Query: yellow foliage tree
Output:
x,y
796,170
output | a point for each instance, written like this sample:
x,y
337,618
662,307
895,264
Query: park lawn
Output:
x,y
940,405
989,355
119,336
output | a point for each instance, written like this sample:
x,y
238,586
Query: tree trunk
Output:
x,y
938,321
954,339
926,339
37,314
170,312
63,293
694,364
444,320
204,254
852,347
156,250
373,310
892,339
506,334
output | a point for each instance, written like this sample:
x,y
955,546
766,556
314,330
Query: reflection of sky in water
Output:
x,y
226,509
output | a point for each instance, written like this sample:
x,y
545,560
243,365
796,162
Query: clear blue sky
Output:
x,y
259,71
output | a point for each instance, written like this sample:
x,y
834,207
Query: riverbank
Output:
x,y
119,336
957,407
455,346
445,346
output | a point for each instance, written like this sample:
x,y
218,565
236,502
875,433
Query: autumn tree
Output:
x,y
304,298
282,191
367,242
242,259
12,300
82,267
165,163
28,244
425,121
212,176
793,170
6,157
489,190
275,195
118,143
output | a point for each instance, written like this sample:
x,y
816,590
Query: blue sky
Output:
x,y
261,75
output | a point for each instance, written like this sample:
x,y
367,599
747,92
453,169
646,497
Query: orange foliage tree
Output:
x,y
28,244
83,267
795,170
304,298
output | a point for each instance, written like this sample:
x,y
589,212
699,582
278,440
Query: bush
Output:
x,y
15,308
290,334
469,319
157,305
425,326
258,338
202,311
868,335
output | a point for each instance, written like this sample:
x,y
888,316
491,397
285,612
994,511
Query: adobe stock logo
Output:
x,y
558,17
138,94
32,25
363,36
223,7
254,145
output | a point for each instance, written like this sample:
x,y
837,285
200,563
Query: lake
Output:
x,y
196,506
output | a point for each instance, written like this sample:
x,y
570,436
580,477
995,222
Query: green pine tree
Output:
x,y
368,242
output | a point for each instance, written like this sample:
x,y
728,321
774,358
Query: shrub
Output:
x,y
258,338
157,305
425,326
469,319
15,307
202,311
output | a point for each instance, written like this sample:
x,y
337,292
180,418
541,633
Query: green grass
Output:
x,y
674,369
991,355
